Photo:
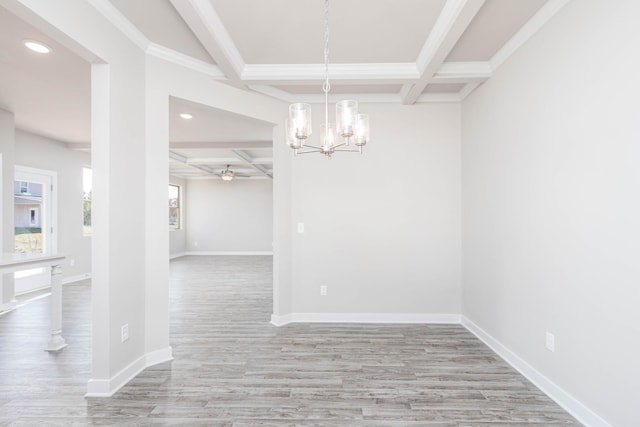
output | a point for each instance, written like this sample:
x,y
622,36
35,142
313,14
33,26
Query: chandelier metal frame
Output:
x,y
349,123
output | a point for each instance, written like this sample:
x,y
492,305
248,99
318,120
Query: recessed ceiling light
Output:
x,y
186,116
37,46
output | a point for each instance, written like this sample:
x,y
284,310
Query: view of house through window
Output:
x,y
87,188
34,223
174,207
28,229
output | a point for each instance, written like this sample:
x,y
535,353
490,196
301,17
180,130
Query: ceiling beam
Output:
x,y
238,145
207,26
183,159
341,73
462,72
317,98
454,19
213,161
79,146
244,156
177,157
115,17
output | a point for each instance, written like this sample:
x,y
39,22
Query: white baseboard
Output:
x,y
65,281
8,306
73,279
242,253
177,255
364,318
561,397
281,320
557,394
108,387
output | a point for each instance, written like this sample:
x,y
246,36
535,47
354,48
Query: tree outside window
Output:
x,y
174,207
87,189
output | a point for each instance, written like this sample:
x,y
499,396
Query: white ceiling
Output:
x,y
380,50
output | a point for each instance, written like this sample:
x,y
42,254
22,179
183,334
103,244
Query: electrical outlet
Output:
x,y
323,290
72,262
124,335
195,244
550,342
301,227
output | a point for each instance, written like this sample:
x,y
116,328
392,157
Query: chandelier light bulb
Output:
x,y
346,112
362,130
292,141
300,120
328,138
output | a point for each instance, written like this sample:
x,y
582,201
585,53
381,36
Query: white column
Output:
x,y
56,342
7,150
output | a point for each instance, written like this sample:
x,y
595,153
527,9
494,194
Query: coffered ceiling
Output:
x,y
380,51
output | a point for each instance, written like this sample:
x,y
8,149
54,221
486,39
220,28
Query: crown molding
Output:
x,y
453,21
273,92
213,160
186,61
218,30
201,15
203,20
240,144
316,98
442,29
546,12
462,72
438,98
305,72
378,98
216,177
467,89
115,17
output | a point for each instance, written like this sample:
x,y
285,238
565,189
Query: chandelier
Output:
x,y
227,174
350,126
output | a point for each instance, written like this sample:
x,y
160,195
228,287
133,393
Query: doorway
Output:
x,y
34,222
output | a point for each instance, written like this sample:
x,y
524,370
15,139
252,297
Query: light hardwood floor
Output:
x,y
232,368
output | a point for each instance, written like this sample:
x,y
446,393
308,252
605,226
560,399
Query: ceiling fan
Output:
x,y
228,174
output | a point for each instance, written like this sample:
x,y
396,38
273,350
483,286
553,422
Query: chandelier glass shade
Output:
x,y
350,126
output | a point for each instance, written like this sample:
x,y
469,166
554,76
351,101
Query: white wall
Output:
x,y
382,229
44,153
551,226
228,217
7,154
178,238
166,79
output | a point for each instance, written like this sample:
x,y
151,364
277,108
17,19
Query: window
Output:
x,y
33,217
87,188
24,187
174,207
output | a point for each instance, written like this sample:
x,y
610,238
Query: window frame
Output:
x,y
178,208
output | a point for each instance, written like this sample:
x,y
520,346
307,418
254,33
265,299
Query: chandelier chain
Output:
x,y
349,126
326,86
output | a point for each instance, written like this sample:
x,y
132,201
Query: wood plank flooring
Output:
x,y
233,369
